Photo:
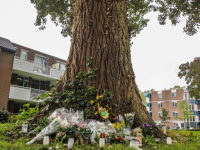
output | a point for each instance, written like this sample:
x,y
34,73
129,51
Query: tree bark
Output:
x,y
100,31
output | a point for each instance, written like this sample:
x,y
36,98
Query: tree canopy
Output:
x,y
61,13
191,72
176,87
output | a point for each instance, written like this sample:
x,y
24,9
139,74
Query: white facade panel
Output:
x,y
56,73
19,93
22,65
36,69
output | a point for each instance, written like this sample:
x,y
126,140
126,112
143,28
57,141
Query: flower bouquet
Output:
x,y
119,122
129,118
53,127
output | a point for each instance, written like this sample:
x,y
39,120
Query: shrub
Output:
x,y
4,116
26,112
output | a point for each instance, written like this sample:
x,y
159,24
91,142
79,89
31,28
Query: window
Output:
x,y
35,84
174,104
23,55
159,105
191,107
159,114
192,118
62,66
22,81
173,93
39,60
176,124
175,114
159,94
186,96
42,85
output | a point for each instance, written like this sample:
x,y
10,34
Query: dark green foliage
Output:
x,y
4,116
191,72
79,94
146,130
71,131
174,9
61,13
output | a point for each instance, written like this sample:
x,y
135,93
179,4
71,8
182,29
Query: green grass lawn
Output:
x,y
182,140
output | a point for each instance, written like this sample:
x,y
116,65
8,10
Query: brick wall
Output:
x,y
166,100
6,65
31,54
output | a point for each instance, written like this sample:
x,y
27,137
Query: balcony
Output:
x,y
20,93
36,69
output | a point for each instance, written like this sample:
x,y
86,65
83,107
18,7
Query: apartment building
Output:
x,y
32,73
170,99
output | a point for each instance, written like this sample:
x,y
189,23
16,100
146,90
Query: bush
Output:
x,y
4,116
26,112
12,119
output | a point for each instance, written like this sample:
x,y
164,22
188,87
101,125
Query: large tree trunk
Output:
x,y
100,31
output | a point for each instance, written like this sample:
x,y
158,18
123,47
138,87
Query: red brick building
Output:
x,y
7,52
26,73
169,99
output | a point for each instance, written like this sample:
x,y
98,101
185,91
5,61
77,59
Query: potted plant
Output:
x,y
84,135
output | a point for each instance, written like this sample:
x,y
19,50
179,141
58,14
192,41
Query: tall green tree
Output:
x,y
185,111
102,29
191,73
176,87
164,116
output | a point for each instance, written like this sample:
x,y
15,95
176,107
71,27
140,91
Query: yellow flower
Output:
x,y
96,113
123,123
117,127
97,97
110,146
91,101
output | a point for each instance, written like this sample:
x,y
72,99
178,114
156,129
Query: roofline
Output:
x,y
38,51
11,50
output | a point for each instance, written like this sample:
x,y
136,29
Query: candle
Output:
x,y
101,142
70,142
169,140
134,144
24,128
46,140
164,129
157,139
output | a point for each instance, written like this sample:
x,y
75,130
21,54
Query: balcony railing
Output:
x,y
36,92
24,93
36,68
41,68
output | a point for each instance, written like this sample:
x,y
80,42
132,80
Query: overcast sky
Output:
x,y
156,52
